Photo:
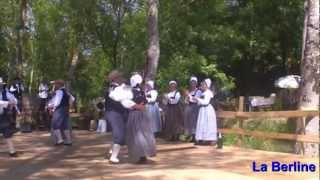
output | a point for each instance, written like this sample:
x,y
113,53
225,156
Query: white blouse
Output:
x,y
193,94
151,96
206,97
43,91
4,104
57,98
173,97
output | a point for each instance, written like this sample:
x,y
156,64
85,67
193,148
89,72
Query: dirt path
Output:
x,y
85,160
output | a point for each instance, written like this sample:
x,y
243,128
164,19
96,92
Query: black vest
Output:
x,y
139,96
18,92
65,100
4,98
112,105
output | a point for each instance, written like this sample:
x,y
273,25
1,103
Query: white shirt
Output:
x,y
173,97
193,94
19,89
4,104
43,91
153,94
207,96
56,99
120,93
123,94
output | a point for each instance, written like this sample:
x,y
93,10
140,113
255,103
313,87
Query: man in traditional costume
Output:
x,y
115,113
59,106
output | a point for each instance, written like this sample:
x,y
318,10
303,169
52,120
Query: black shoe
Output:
x,y
67,144
58,144
13,155
143,160
199,143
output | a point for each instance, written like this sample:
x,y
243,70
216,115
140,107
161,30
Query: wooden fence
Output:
x,y
242,116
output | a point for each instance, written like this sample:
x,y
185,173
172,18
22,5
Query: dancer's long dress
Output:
x,y
153,112
140,138
191,112
5,127
207,122
173,115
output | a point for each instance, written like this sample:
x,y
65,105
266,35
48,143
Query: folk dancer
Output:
x,y
139,135
43,95
102,123
7,101
115,113
191,109
59,106
17,90
173,113
152,107
206,131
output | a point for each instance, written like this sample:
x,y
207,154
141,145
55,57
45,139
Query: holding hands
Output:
x,y
139,107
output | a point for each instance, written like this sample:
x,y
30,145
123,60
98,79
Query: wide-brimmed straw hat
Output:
x,y
58,82
115,74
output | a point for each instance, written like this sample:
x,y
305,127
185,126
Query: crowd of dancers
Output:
x,y
132,109
134,115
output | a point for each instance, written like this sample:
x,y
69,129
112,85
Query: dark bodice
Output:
x,y
139,96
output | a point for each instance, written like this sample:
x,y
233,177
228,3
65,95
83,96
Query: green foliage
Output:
x,y
265,125
182,67
90,76
242,45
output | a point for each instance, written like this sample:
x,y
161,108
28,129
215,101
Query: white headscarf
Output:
x,y
208,82
151,84
135,80
193,78
173,82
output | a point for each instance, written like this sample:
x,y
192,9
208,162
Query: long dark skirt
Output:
x,y
190,118
139,136
173,121
5,128
154,116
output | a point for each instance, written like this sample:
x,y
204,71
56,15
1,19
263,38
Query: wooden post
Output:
x,y
241,109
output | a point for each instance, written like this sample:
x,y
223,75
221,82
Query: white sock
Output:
x,y
10,146
115,152
67,134
110,150
103,126
58,135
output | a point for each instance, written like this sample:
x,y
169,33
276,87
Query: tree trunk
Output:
x,y
309,92
153,51
304,35
74,55
20,35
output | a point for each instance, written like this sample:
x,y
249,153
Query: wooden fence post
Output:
x,y
241,109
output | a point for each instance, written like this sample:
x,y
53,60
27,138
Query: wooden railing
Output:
x,y
243,116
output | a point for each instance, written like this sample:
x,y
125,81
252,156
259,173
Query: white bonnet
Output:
x,y
135,80
208,82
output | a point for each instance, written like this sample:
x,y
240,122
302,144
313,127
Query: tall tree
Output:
x,y
20,34
153,51
310,71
